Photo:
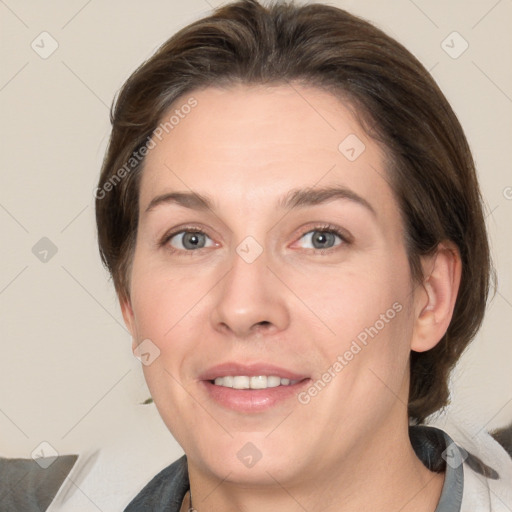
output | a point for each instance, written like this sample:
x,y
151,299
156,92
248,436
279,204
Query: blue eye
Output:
x,y
322,239
193,239
190,240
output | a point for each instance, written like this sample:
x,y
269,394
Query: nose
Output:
x,y
250,299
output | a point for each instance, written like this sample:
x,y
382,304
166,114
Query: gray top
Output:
x,y
30,485
165,492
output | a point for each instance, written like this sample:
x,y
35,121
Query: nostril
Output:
x,y
264,325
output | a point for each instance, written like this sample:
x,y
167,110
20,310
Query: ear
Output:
x,y
129,318
435,299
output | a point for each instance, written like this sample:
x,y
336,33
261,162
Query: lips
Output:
x,y
249,399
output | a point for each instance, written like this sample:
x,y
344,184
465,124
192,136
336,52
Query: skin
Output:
x,y
348,448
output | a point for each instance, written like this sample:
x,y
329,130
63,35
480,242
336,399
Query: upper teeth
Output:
x,y
257,382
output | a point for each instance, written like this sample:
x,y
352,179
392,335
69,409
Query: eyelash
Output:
x,y
324,228
327,228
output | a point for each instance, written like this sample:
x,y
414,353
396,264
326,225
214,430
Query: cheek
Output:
x,y
351,300
170,307
367,311
165,307
162,298
364,364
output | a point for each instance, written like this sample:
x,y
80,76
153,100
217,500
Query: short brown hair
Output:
x,y
431,170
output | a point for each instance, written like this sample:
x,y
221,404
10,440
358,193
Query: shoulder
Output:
x,y
165,491
487,467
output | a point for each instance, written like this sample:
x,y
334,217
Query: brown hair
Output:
x,y
430,166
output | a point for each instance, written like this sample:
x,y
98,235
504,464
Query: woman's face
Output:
x,y
279,256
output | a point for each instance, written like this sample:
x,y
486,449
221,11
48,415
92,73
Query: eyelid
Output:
x,y
165,239
343,234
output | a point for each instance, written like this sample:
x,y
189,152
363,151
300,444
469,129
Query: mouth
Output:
x,y
252,388
254,382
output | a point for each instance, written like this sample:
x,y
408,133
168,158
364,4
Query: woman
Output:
x,y
290,212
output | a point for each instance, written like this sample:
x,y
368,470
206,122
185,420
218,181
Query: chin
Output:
x,y
247,458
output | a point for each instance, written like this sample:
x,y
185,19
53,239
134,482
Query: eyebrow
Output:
x,y
294,199
192,200
299,198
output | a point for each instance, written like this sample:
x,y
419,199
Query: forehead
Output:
x,y
257,142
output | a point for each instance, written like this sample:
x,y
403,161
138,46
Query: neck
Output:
x,y
379,474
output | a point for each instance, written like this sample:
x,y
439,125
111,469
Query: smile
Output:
x,y
252,382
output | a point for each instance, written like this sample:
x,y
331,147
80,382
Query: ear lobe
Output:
x,y
435,299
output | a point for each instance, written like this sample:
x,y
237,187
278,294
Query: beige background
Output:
x,y
67,375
